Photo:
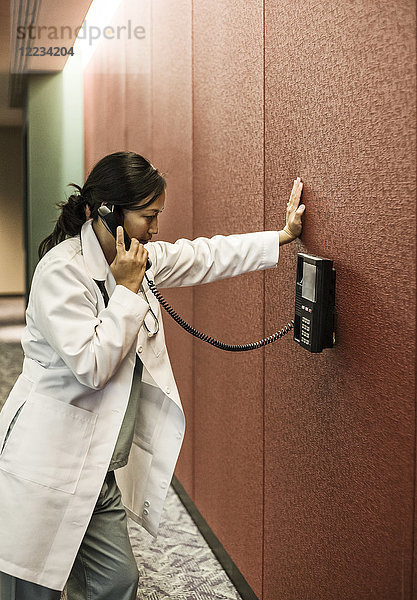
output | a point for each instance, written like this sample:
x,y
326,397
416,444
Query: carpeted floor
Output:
x,y
178,564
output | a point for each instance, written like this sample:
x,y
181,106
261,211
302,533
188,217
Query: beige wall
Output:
x,y
12,262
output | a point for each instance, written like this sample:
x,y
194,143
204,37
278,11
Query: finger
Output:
x,y
294,186
120,242
134,246
142,250
290,207
295,195
144,256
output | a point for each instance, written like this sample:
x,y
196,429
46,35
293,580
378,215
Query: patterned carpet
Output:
x,y
11,359
178,564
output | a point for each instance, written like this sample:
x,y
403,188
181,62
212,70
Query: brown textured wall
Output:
x,y
172,152
340,427
303,465
117,89
228,198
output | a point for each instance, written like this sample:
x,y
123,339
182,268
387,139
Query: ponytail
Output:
x,y
69,223
124,179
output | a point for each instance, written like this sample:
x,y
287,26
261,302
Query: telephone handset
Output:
x,y
109,219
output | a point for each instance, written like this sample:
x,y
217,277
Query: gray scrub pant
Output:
x,y
104,568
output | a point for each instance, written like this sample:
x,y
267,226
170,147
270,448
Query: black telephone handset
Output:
x,y
110,221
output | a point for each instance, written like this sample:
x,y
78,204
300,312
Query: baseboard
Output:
x,y
10,295
218,550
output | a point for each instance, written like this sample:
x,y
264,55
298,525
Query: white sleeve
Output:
x,y
91,344
202,260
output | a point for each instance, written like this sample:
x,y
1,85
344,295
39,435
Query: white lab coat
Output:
x,y
74,390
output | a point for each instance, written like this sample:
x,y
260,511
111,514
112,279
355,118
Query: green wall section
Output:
x,y
55,151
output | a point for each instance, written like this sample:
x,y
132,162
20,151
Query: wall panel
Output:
x,y
171,102
105,97
138,80
340,429
228,198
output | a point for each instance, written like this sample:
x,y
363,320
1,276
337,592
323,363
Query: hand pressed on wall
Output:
x,y
293,225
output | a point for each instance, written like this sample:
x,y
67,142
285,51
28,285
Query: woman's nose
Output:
x,y
153,228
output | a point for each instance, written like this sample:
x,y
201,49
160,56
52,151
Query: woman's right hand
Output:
x,y
129,266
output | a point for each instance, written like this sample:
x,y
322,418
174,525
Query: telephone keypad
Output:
x,y
305,329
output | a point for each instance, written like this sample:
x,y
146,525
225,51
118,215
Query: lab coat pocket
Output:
x,y
16,398
150,415
10,426
49,443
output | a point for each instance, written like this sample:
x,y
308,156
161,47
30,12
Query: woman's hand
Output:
x,y
128,267
294,226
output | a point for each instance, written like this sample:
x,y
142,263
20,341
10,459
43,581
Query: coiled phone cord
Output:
x,y
206,338
109,219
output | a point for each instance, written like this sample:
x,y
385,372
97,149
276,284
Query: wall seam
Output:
x,y
414,523
264,310
193,361
151,91
125,134
413,541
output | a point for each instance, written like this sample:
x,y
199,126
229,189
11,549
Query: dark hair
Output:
x,y
122,178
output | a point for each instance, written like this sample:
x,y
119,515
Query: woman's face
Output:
x,y
143,224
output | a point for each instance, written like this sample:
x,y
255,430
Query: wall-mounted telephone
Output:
x,y
110,221
314,303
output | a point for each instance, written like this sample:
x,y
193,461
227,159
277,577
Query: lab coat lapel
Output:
x,y
95,263
149,349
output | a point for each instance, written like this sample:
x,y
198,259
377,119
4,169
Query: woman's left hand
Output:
x,y
293,224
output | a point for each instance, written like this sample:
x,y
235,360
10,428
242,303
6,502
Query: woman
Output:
x,y
97,394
